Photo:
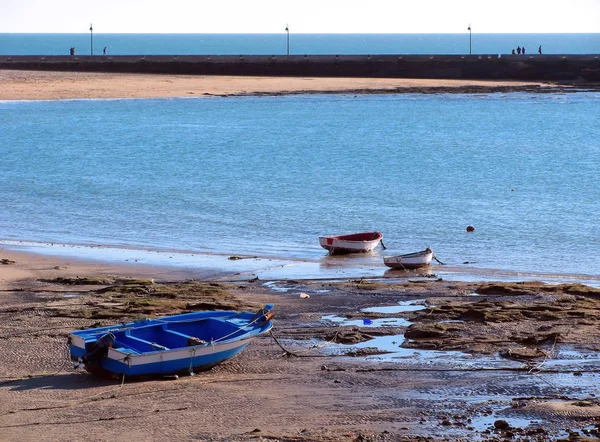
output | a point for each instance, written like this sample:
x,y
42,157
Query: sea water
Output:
x,y
277,44
266,176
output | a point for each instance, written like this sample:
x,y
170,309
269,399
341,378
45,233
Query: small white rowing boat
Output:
x,y
354,243
410,260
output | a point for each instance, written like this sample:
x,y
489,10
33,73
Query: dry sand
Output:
x,y
43,85
312,394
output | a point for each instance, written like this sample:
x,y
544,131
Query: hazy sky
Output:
x,y
303,16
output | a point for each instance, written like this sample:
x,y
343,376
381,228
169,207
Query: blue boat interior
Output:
x,y
169,336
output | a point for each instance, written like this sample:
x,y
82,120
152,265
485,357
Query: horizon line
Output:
x,y
300,33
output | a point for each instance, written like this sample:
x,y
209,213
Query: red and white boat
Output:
x,y
354,243
410,260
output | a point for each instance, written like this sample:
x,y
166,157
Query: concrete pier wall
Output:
x,y
482,67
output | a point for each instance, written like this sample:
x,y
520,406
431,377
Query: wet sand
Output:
x,y
42,85
484,361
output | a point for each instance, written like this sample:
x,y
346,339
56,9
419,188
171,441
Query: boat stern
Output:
x,y
76,347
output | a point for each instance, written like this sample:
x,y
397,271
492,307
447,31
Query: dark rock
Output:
x,y
420,331
501,425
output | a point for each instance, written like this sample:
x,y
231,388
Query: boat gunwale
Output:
x,y
411,255
355,237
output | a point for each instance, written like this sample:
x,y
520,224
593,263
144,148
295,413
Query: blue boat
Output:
x,y
169,345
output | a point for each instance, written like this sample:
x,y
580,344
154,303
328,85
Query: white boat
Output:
x,y
409,260
353,243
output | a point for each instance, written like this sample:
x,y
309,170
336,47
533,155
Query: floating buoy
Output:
x,y
470,229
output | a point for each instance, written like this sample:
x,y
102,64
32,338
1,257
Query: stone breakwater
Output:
x,y
569,68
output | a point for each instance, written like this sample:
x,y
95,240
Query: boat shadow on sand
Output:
x,y
79,381
60,381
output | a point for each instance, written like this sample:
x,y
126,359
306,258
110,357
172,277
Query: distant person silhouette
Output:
x,y
540,50
104,51
523,50
519,50
513,51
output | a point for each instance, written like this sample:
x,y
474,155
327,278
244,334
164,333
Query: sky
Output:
x,y
302,16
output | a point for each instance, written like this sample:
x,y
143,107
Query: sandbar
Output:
x,y
56,85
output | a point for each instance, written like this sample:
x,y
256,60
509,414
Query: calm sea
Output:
x,y
267,175
274,44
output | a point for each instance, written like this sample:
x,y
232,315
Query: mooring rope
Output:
x,y
287,352
439,262
192,355
258,316
291,353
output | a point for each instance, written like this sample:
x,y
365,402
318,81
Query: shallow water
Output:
x,y
382,322
265,176
403,306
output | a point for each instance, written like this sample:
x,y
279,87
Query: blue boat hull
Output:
x,y
174,344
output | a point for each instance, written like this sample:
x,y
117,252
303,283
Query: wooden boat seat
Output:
x,y
137,344
211,329
182,340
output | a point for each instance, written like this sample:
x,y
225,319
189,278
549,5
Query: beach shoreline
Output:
x,y
56,85
185,264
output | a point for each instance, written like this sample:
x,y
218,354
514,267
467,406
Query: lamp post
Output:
x,y
287,29
91,40
470,34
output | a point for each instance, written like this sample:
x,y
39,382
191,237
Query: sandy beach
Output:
x,y
43,85
483,361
